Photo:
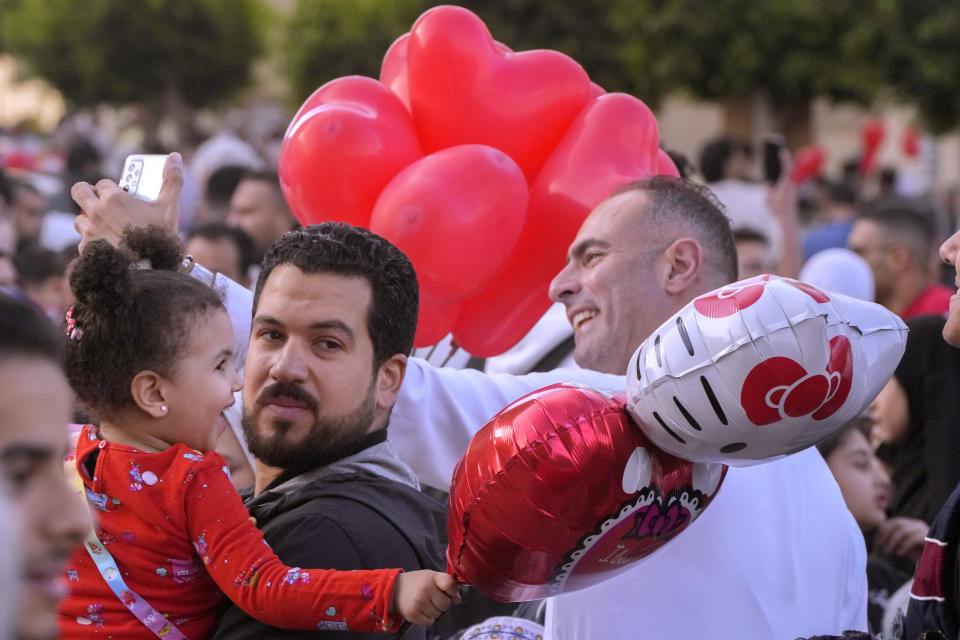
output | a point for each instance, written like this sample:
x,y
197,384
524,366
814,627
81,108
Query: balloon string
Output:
x,y
432,349
454,347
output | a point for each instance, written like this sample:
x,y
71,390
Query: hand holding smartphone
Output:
x,y
772,145
142,175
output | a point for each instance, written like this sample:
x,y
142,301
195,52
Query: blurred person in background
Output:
x,y
219,188
754,255
834,221
34,409
259,209
8,248
866,488
222,249
726,164
897,239
42,277
28,209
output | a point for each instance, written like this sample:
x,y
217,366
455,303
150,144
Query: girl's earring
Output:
x,y
163,408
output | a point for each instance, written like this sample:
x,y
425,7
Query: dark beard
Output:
x,y
328,440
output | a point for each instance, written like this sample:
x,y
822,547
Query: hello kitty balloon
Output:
x,y
761,368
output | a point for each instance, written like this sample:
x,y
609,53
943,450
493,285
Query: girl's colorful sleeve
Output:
x,y
235,555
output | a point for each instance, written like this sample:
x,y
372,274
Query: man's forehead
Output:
x,y
291,292
612,216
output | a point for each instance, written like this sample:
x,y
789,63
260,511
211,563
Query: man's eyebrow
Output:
x,y
337,325
581,247
262,319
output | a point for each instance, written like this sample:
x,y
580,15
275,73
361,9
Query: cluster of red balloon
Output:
x,y
479,162
569,486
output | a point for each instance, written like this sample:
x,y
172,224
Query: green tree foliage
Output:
x,y
161,53
917,44
326,39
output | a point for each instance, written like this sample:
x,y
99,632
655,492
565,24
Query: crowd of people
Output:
x,y
256,449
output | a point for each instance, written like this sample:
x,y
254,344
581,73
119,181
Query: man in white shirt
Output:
x,y
777,554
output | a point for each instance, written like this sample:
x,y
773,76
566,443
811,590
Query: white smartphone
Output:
x,y
142,175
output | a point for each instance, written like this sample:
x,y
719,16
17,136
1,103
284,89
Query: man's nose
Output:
x,y
564,284
290,364
949,249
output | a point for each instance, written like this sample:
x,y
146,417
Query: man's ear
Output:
x,y
389,378
149,392
684,258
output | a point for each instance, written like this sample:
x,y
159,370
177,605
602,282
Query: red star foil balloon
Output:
x,y
561,490
759,369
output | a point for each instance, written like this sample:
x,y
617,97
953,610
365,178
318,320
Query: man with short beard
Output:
x,y
334,313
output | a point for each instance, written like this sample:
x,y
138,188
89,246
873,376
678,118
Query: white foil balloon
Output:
x,y
759,369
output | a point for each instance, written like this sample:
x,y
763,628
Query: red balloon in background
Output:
x,y
807,163
561,490
457,214
871,135
434,319
393,71
612,142
911,142
665,165
344,145
466,90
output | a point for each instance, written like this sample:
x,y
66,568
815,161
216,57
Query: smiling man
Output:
x,y
777,554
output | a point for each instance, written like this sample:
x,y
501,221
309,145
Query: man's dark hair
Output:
x,y
269,177
715,154
841,192
215,231
341,249
678,202
746,234
130,319
35,264
222,183
26,331
911,222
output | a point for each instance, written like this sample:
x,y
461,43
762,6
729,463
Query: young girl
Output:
x,y
149,353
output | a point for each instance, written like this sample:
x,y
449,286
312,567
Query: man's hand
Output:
x,y
109,209
421,596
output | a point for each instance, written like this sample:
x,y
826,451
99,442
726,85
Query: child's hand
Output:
x,y
421,596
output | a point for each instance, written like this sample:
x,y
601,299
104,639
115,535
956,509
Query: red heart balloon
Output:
x,y
665,165
457,214
344,145
910,142
871,135
393,71
560,491
464,89
613,141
